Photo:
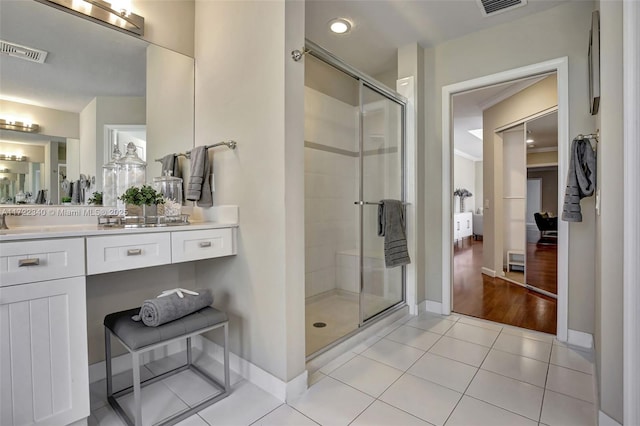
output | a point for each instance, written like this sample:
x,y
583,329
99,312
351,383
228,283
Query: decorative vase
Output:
x,y
456,204
462,210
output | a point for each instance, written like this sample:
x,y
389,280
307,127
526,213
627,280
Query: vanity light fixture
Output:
x,y
20,125
117,13
340,26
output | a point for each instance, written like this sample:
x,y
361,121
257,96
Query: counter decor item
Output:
x,y
144,207
171,189
110,179
131,171
462,193
141,201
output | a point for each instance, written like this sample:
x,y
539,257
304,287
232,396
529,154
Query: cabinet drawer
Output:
x,y
194,245
32,261
122,252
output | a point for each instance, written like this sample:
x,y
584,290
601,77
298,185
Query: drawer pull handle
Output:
x,y
134,252
205,244
28,262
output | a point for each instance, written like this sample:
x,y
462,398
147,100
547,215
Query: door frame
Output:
x,y
631,141
561,67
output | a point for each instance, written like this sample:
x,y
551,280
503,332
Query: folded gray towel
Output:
x,y
155,312
199,187
391,226
581,179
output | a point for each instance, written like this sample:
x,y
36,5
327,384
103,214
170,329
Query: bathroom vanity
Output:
x,y
43,314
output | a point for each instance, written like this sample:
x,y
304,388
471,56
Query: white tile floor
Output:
x,y
428,370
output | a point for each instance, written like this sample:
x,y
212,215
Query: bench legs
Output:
x,y
138,384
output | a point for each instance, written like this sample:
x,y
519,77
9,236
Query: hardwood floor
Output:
x,y
494,299
542,266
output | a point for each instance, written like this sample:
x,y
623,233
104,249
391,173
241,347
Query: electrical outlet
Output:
x,y
486,203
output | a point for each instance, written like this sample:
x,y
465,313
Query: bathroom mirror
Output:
x,y
96,87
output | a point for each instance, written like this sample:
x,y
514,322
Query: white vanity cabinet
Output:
x,y
43,319
43,333
462,225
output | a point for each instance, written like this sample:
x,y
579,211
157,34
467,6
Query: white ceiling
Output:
x,y
103,62
544,132
380,27
467,113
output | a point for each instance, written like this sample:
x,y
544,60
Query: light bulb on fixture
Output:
x,y
530,140
340,26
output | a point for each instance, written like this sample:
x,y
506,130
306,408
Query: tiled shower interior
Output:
x,y
332,230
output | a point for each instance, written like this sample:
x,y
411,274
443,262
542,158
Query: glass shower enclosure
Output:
x,y
354,158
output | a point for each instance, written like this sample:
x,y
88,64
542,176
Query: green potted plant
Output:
x,y
96,199
65,201
145,197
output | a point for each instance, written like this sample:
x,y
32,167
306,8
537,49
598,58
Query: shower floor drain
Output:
x,y
319,324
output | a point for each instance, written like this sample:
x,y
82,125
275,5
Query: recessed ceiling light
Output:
x,y
530,140
530,145
340,26
477,133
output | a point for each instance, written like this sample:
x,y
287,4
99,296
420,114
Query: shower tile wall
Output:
x,y
330,191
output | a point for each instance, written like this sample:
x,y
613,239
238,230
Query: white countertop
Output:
x,y
52,222
66,231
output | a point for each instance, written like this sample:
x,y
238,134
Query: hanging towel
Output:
x,y
391,226
581,179
171,163
168,164
199,187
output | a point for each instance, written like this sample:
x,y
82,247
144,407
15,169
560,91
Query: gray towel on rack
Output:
x,y
158,311
168,164
199,187
75,194
391,226
581,179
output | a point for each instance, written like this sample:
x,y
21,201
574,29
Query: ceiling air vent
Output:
x,y
493,7
22,52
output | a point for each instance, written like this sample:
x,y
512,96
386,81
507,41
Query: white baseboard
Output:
x,y
122,362
604,420
432,306
256,375
580,338
489,272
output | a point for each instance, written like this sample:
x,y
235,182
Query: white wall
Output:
x,y
609,229
464,176
52,122
558,32
330,189
248,89
478,194
168,23
170,108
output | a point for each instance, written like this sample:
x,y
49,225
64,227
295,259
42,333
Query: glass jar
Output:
x,y
171,189
110,179
131,171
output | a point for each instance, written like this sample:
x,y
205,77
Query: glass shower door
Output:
x,y
381,165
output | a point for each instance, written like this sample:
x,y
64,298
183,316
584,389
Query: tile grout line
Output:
x,y
472,379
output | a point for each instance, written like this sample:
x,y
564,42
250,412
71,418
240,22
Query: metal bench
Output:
x,y
137,338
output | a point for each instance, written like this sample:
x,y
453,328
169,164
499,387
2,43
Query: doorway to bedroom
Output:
x,y
505,162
